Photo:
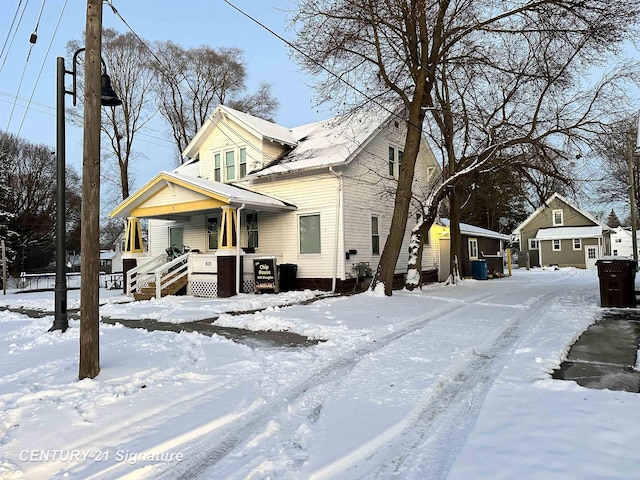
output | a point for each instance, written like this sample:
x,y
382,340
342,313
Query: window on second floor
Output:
x,y
217,172
558,218
395,160
230,164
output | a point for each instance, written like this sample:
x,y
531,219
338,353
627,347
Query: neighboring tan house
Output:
x,y
317,197
622,242
559,233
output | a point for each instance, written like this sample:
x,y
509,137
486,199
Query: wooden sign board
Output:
x,y
265,273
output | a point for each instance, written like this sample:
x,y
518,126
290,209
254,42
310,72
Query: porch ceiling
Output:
x,y
171,195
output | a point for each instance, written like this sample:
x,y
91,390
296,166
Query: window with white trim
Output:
x,y
309,230
217,168
534,244
577,244
243,162
375,235
558,218
473,248
557,246
230,165
252,229
395,160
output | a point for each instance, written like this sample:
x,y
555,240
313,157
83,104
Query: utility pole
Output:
x,y
89,237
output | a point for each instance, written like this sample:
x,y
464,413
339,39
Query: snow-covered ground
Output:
x,y
450,382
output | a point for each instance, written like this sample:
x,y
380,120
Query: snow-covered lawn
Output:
x,y
450,382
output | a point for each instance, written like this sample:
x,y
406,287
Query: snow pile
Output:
x,y
447,382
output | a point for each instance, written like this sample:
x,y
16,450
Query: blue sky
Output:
x,y
189,23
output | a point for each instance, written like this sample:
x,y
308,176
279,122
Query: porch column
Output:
x,y
132,248
227,239
226,254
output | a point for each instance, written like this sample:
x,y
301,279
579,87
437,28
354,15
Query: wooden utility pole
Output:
x,y
89,237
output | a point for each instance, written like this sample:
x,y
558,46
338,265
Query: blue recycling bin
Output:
x,y
479,270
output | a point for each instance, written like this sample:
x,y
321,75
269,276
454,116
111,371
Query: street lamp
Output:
x,y
108,98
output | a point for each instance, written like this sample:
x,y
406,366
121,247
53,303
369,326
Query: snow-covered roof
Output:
x,y
261,128
560,233
546,204
329,142
182,176
467,229
106,254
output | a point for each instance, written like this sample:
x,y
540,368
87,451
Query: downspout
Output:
x,y
338,226
238,248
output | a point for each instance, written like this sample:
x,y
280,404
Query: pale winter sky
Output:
x,y
189,23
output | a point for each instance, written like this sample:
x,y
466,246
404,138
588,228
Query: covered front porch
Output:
x,y
217,221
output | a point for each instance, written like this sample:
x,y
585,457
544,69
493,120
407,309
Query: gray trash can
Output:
x,y
617,278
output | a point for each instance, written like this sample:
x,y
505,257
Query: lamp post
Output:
x,y
108,98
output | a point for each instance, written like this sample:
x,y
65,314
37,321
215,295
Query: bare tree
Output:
x,y
29,184
616,149
127,63
499,82
192,82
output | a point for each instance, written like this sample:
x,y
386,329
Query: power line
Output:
x,y
44,60
13,21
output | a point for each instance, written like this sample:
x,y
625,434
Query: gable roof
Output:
x,y
207,193
330,142
519,228
260,128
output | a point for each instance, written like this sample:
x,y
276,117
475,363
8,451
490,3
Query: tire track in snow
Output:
x,y
206,452
428,448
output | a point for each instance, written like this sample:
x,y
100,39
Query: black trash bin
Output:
x,y
617,282
287,273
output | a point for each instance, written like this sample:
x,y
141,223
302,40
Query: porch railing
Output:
x,y
159,272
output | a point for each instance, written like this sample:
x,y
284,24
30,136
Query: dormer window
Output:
x,y
558,218
230,164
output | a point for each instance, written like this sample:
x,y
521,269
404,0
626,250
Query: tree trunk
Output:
x,y
454,230
393,245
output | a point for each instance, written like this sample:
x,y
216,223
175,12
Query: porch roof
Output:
x,y
173,194
563,233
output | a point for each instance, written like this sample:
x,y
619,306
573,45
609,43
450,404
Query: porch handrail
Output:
x,y
180,267
145,271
